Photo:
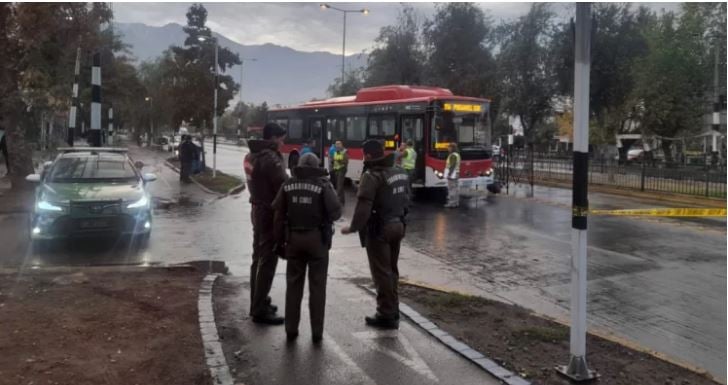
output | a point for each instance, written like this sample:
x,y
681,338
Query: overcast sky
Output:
x,y
305,26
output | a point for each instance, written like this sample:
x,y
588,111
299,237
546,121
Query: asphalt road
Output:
x,y
656,282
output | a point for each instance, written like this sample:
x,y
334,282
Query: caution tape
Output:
x,y
668,212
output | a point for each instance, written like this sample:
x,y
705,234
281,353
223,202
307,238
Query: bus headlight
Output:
x,y
487,172
439,174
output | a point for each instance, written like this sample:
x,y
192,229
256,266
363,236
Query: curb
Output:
x,y
214,356
205,189
457,346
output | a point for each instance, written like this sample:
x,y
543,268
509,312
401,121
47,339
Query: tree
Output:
x,y
352,84
398,57
457,45
672,79
38,45
525,68
194,68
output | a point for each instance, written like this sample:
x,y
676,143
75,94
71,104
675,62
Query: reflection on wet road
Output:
x,y
660,283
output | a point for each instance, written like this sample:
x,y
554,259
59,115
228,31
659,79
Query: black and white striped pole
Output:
x,y
577,369
95,131
74,101
110,132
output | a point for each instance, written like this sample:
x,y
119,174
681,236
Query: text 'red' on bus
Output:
x,y
431,117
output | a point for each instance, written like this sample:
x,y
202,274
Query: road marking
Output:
x,y
415,362
358,372
667,212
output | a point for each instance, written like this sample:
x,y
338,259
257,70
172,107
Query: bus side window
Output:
x,y
295,131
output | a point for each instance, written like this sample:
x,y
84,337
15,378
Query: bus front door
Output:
x,y
316,130
412,128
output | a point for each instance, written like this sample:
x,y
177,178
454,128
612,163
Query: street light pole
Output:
x,y
364,11
214,118
577,368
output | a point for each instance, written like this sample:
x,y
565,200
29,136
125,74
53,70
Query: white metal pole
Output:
x,y
214,121
343,55
577,369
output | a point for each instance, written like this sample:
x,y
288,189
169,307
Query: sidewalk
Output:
x,y
351,352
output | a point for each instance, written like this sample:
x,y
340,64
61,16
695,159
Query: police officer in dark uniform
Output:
x,y
306,207
265,173
379,216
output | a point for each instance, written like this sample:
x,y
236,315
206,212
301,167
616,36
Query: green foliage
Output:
x,y
192,68
672,79
353,83
457,45
398,57
525,67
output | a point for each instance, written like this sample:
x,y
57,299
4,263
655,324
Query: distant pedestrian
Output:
x,y
187,156
307,147
341,165
305,208
452,174
332,152
266,173
379,217
4,148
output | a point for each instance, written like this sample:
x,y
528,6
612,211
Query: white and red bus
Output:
x,y
431,117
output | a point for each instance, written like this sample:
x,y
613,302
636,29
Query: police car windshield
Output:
x,y
92,168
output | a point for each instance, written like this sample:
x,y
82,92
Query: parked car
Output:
x,y
91,192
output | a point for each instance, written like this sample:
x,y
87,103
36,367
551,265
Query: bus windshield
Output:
x,y
467,129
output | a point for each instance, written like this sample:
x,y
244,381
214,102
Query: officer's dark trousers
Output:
x,y
383,253
340,181
265,261
184,171
305,249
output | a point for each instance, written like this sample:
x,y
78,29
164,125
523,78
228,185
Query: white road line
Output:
x,y
358,372
415,362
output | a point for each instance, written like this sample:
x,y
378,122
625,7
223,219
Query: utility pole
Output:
x,y
716,104
577,369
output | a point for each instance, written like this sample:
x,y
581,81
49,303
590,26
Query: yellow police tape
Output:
x,y
668,212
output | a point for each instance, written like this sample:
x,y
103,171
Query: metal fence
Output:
x,y
526,167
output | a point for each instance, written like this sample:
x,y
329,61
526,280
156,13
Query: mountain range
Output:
x,y
279,75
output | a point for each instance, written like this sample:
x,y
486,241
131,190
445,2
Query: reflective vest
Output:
x,y
409,158
453,160
305,203
339,160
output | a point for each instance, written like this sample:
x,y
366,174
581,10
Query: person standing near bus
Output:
x,y
408,161
341,164
306,207
452,174
266,173
379,217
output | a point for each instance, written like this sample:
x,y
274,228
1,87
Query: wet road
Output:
x,y
659,283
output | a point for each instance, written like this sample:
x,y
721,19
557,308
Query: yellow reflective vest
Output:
x,y
452,167
340,160
409,159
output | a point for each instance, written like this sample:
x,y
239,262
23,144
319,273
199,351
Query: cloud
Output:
x,y
305,26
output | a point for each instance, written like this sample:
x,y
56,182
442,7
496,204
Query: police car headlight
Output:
x,y
48,206
142,202
439,174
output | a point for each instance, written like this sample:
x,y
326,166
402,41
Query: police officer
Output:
x,y
382,203
306,207
452,174
265,173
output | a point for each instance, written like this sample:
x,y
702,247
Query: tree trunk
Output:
x,y
667,150
19,153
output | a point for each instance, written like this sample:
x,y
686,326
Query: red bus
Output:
x,y
431,117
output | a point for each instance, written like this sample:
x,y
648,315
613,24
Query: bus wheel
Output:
x,y
292,160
